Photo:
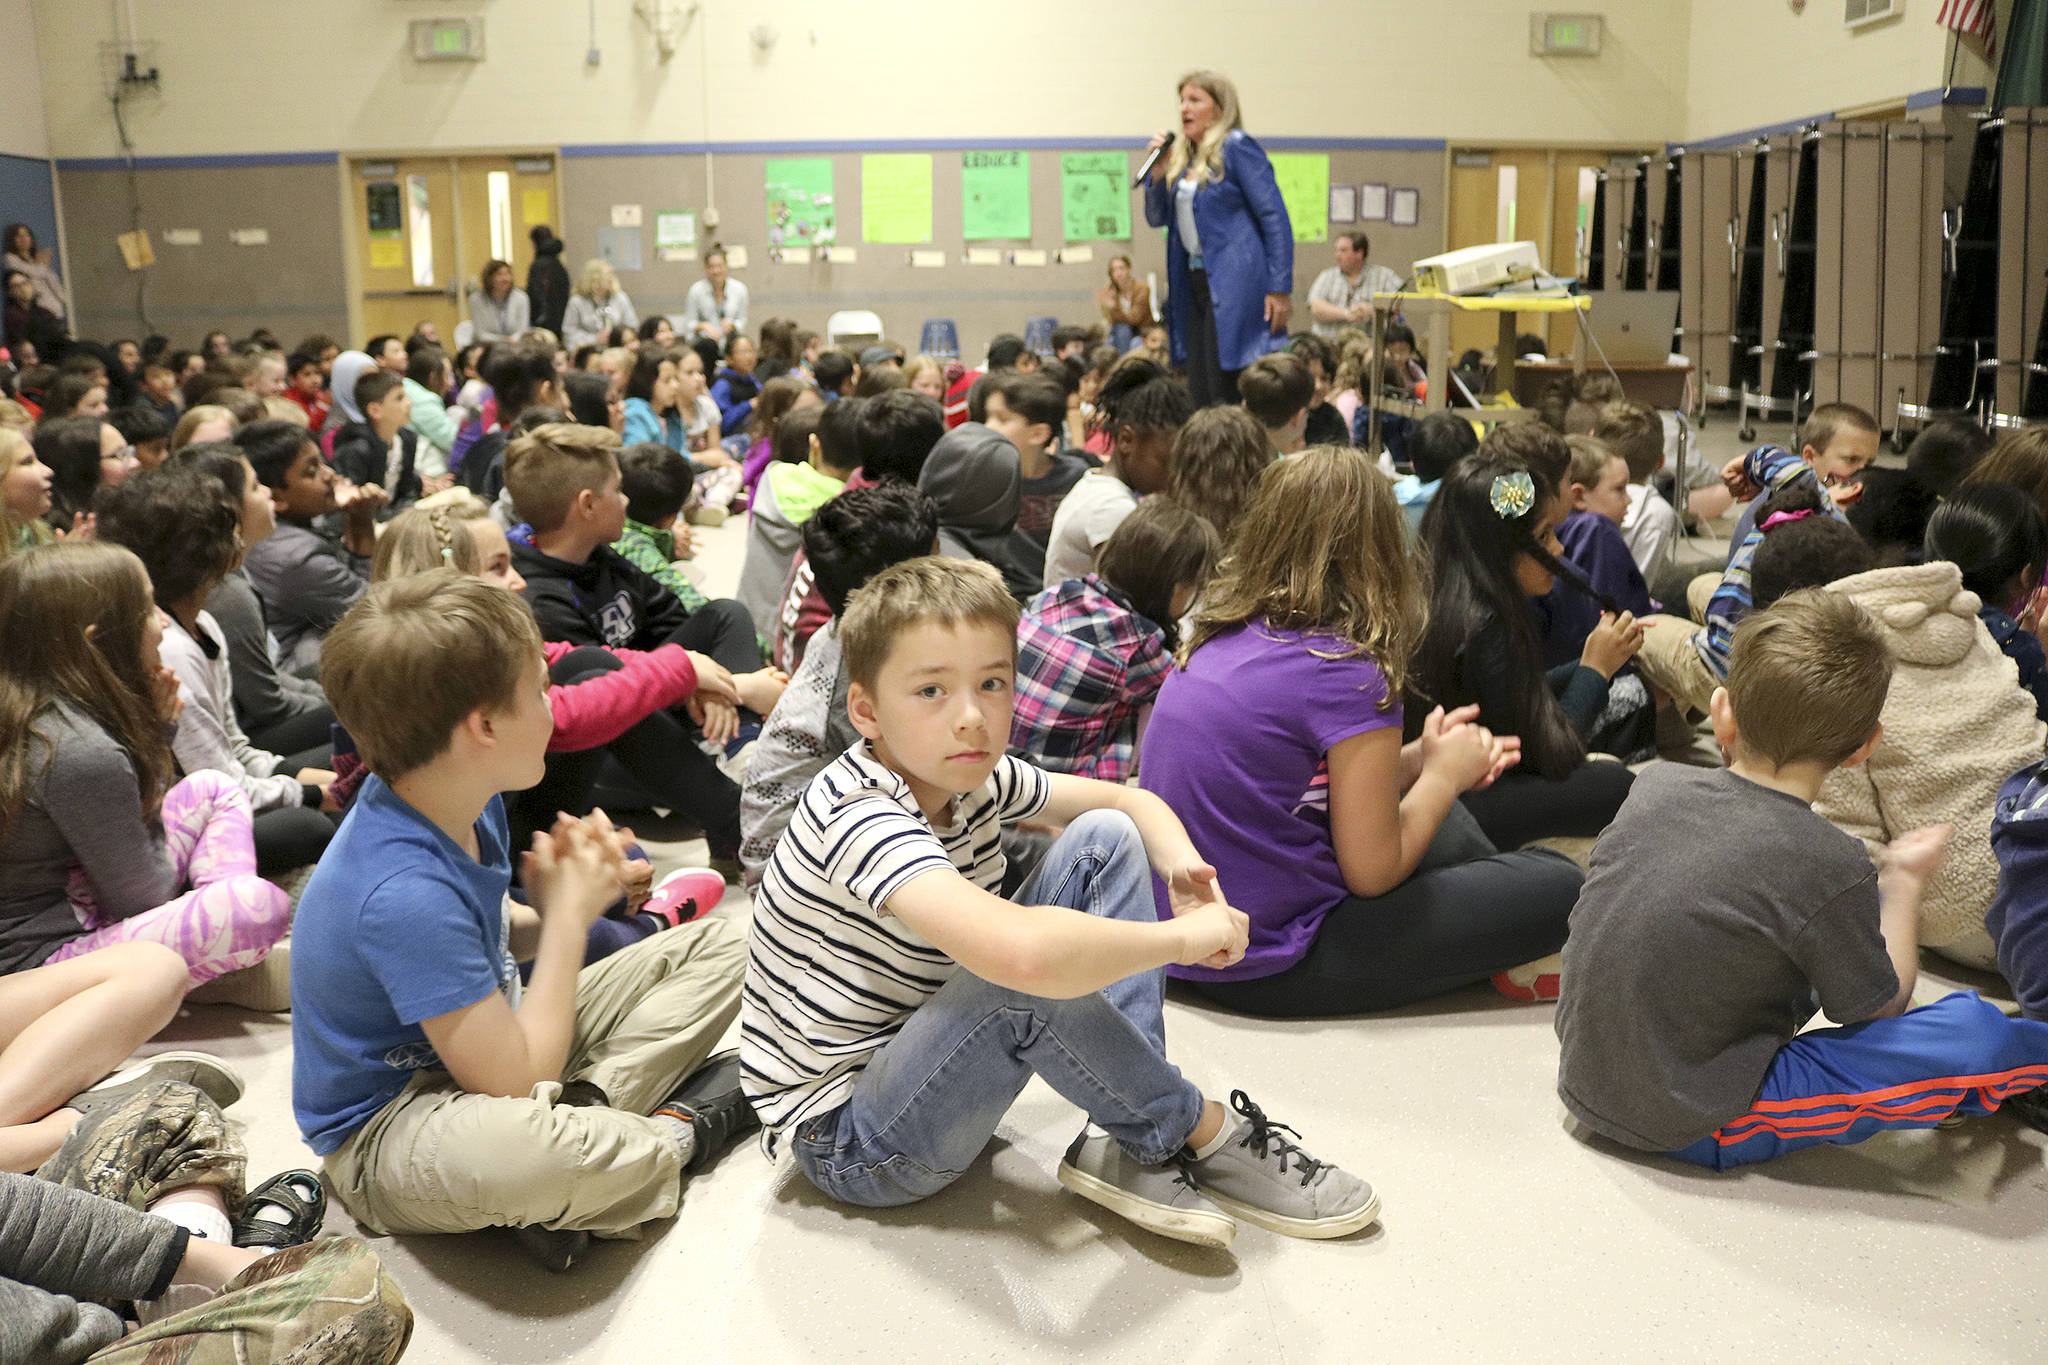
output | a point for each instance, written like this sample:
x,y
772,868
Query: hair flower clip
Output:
x,y
1513,495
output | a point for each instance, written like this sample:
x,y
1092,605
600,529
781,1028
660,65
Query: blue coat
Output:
x,y
644,424
1247,251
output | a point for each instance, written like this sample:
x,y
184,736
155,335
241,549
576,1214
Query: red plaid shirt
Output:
x,y
1086,665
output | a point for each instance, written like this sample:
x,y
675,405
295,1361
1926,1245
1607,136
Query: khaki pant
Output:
x,y
1669,663
439,1159
1699,592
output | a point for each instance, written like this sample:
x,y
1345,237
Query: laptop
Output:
x,y
1633,326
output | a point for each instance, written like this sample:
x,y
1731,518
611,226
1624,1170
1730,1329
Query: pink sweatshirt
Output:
x,y
596,711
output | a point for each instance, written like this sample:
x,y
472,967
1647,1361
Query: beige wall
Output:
x,y
23,131
1756,63
263,75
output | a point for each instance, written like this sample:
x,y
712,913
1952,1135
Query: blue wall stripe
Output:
x,y
236,160
973,144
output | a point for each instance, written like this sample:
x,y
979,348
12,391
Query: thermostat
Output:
x,y
1565,35
448,40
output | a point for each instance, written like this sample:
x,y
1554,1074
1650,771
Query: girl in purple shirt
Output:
x,y
1278,743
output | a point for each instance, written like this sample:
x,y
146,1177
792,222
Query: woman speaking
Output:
x,y
1229,245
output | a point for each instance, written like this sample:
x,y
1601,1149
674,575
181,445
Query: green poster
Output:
x,y
995,196
1095,196
800,209
896,197
1305,184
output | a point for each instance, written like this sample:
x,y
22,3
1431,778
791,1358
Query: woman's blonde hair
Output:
x,y
194,418
1206,157
431,534
597,273
1323,550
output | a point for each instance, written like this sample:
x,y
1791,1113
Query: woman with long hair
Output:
x,y
597,306
1229,244
498,309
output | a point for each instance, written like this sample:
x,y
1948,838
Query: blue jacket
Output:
x,y
1247,251
735,394
644,424
2017,643
2018,917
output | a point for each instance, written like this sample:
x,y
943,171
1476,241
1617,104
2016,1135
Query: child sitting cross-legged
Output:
x,y
658,483
623,703
443,1096
1995,534
1368,882
848,541
895,1008
815,452
1681,1014
1092,651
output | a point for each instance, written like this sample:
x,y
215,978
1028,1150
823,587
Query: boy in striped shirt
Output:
x,y
895,1007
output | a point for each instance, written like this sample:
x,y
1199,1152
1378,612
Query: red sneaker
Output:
x,y
685,894
1532,980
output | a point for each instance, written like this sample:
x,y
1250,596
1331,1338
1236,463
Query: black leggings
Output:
x,y
1521,807
291,837
723,629
1209,384
309,730
1455,921
660,752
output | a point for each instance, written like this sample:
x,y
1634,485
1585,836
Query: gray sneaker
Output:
x,y
1264,1178
1159,1199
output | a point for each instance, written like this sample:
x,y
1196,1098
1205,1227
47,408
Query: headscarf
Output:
x,y
349,366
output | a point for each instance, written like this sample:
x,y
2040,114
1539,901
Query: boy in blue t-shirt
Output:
x,y
442,1095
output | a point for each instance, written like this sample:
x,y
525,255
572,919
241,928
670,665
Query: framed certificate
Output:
x,y
1404,208
1372,203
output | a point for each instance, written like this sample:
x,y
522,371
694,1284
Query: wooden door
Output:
x,y
499,199
1710,258
403,227
1499,196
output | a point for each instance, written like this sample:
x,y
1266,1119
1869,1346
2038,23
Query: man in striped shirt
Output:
x,y
895,1007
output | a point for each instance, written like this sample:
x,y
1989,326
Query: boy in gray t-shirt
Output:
x,y
1721,912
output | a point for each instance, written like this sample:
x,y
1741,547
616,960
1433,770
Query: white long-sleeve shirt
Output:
x,y
208,735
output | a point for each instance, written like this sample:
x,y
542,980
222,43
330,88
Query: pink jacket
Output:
x,y
596,711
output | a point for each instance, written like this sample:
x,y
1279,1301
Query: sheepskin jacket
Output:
x,y
1957,724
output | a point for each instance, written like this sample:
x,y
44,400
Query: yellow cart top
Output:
x,y
1496,303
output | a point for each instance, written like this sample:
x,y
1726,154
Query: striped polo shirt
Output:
x,y
831,975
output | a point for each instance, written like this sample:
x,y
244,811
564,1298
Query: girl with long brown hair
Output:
x,y
1278,741
97,837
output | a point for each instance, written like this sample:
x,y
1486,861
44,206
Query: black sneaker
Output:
x,y
584,1095
553,1249
711,1102
2030,1107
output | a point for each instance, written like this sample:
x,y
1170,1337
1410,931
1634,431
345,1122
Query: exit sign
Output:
x,y
1565,35
448,40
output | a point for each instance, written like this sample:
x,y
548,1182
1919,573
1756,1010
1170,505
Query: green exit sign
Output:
x,y
448,40
1565,35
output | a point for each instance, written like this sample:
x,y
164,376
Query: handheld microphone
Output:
x,y
1151,161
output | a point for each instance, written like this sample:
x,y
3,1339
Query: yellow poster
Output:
x,y
533,204
387,253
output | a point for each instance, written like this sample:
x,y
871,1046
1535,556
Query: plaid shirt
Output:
x,y
1086,665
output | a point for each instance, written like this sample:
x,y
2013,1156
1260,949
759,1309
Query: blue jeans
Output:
x,y
929,1101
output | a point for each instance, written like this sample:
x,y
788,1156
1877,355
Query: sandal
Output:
x,y
304,1200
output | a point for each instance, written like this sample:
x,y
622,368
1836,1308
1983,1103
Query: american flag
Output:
x,y
1967,16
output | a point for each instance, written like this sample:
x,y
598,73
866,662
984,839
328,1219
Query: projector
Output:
x,y
1477,269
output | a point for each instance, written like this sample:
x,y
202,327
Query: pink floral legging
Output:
x,y
231,918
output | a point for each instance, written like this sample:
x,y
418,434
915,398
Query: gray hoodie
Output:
x,y
975,477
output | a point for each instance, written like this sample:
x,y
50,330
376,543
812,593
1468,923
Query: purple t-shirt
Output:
x,y
1236,746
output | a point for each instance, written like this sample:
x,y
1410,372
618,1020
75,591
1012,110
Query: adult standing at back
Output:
x,y
547,280
1126,304
498,309
1229,245
716,305
1342,295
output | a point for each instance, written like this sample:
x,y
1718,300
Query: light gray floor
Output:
x,y
1503,1235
